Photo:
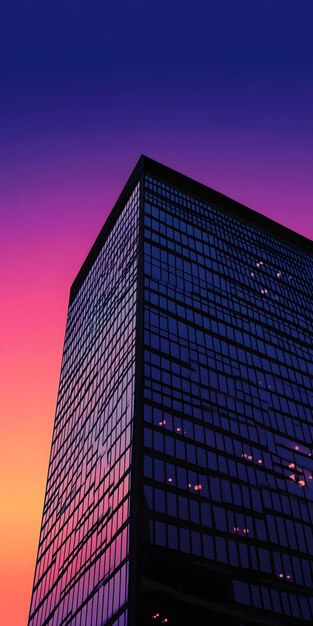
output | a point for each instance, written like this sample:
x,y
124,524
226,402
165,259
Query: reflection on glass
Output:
x,y
228,378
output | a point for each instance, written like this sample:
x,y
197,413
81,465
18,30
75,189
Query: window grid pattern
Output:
x,y
82,567
228,398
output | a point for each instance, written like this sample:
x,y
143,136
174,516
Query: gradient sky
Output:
x,y
222,91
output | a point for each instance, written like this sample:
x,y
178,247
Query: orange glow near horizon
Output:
x,y
29,375
35,289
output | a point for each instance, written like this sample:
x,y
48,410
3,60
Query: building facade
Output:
x,y
180,482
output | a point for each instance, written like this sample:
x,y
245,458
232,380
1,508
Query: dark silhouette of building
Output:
x,y
180,483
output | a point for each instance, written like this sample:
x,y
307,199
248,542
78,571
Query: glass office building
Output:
x,y
180,482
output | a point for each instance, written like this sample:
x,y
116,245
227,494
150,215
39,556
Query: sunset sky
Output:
x,y
222,91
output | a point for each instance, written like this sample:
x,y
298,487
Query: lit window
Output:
x,y
246,456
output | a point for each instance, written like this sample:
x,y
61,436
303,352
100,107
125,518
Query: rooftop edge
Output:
x,y
200,192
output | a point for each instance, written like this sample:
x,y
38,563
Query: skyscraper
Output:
x,y
180,482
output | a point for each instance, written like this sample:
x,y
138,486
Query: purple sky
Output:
x,y
221,91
